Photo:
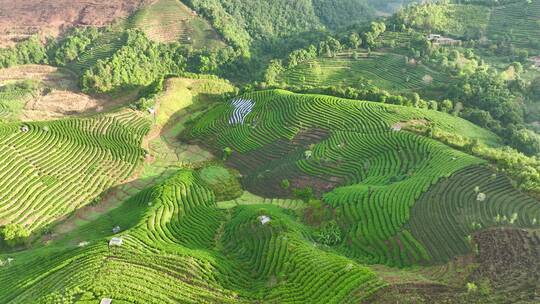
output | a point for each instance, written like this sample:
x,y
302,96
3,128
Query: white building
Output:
x,y
264,219
116,241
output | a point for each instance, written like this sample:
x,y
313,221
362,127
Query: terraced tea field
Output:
x,y
459,210
385,70
52,168
517,22
200,257
172,21
104,47
373,174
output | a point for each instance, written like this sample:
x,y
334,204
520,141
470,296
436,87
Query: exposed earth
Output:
x,y
59,95
19,19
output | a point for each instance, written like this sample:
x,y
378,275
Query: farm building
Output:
x,y
439,39
116,241
105,301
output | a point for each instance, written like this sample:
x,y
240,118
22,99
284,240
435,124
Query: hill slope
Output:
x,y
184,249
56,167
373,172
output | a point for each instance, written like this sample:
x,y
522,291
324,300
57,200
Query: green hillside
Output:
x,y
183,249
517,22
53,168
172,21
241,151
388,71
373,172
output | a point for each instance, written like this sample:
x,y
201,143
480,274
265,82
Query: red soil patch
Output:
x,y
21,18
510,259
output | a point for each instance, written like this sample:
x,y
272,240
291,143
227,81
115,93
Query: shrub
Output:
x,y
329,234
227,151
14,235
285,184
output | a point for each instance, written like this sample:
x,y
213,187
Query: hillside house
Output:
x,y
439,39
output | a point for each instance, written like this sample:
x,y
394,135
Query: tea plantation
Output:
x,y
184,249
241,151
373,172
52,168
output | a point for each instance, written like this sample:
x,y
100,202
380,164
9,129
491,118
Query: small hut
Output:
x,y
439,39
25,128
264,219
105,301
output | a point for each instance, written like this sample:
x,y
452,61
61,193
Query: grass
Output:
x,y
14,96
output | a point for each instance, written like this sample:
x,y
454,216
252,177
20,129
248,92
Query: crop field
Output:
x,y
57,167
379,172
12,100
200,257
460,211
517,22
385,70
101,49
172,21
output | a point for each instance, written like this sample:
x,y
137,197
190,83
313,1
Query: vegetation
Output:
x,y
344,157
172,21
276,152
180,218
14,235
28,51
57,167
13,97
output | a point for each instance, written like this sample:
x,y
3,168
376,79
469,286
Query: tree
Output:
x,y
354,40
14,235
447,106
518,67
433,105
329,234
526,141
535,87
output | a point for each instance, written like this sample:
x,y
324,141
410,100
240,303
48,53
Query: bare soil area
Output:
x,y
59,95
22,18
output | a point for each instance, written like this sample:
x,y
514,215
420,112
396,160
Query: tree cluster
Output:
x,y
30,51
